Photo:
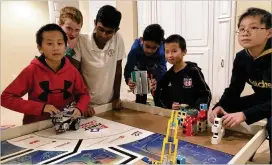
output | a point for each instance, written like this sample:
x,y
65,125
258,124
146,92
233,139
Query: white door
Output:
x,y
196,28
224,25
190,19
56,5
147,14
207,27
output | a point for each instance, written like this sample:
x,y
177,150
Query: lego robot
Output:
x,y
63,121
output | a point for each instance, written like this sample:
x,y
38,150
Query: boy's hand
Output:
x,y
216,112
131,84
76,113
72,43
153,84
51,109
176,106
89,112
233,119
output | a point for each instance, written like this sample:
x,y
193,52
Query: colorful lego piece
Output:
x,y
147,160
202,118
180,160
203,107
183,107
182,114
192,120
202,124
190,124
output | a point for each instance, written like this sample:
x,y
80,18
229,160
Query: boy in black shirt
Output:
x,y
184,83
251,65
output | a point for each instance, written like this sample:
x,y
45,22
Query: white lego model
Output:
x,y
142,82
218,131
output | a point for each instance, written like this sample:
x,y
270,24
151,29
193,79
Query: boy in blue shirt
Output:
x,y
147,54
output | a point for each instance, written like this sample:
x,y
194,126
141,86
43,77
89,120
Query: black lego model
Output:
x,y
63,121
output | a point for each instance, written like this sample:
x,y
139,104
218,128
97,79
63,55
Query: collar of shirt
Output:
x,y
109,44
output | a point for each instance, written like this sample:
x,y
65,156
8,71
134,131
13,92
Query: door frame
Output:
x,y
232,39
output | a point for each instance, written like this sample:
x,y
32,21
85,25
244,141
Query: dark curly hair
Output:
x,y
47,28
109,17
265,16
153,32
175,38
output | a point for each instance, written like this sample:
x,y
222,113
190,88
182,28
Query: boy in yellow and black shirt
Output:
x,y
251,65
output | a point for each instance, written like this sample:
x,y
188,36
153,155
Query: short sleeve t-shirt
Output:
x,y
98,66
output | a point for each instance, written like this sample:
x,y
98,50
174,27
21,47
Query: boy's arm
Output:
x,y
11,97
73,57
237,84
162,64
118,73
117,81
258,112
204,93
131,61
81,93
159,98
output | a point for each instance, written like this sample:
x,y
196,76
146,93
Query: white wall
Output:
x,y
128,29
19,22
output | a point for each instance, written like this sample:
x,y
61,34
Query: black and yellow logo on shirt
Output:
x,y
261,84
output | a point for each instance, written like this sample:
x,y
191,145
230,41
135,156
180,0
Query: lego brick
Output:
x,y
216,129
180,160
183,107
202,126
192,112
218,121
203,107
146,159
216,139
182,120
173,124
170,139
179,121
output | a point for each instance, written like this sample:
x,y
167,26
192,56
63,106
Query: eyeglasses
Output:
x,y
250,30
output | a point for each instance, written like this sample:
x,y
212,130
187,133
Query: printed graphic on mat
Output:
x,y
8,148
93,124
99,156
194,154
4,127
34,157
